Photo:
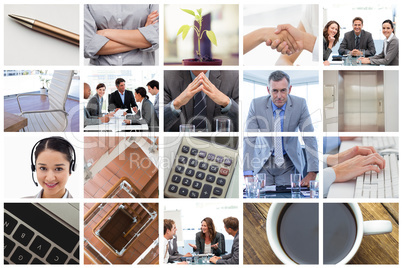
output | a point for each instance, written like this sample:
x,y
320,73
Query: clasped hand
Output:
x,y
286,39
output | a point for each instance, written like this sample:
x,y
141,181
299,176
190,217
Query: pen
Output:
x,y
48,29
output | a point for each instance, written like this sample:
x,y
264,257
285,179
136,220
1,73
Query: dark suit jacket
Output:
x,y
89,120
148,114
392,57
200,243
115,101
93,106
174,254
366,42
177,81
233,256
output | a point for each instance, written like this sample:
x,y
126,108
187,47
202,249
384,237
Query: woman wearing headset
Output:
x,y
54,161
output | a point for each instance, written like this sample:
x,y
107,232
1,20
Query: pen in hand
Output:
x,y
48,29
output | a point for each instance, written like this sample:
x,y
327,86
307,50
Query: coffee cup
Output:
x,y
277,217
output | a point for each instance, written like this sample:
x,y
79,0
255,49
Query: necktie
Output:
x,y
357,42
278,140
200,111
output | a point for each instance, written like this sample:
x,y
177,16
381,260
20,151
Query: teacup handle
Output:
x,y
376,227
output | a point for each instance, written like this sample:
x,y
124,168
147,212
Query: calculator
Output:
x,y
203,167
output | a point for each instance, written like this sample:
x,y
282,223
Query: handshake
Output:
x,y
285,38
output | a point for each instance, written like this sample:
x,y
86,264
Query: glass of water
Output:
x,y
295,183
314,186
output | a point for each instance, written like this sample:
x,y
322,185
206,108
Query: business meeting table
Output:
x,y
115,125
374,249
13,123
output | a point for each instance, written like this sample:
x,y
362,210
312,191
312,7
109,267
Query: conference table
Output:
x,y
115,125
13,123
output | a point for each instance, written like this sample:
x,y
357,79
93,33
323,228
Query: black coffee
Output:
x,y
340,231
298,232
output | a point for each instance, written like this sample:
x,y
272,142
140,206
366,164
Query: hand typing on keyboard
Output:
x,y
335,159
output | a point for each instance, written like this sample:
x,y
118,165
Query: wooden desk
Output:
x,y
375,249
13,123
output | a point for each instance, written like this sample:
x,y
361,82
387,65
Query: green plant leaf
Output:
x,y
199,11
185,31
188,11
212,37
197,18
182,28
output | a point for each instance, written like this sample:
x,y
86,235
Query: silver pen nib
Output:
x,y
28,22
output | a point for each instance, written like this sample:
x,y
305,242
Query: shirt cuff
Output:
x,y
248,173
227,108
315,50
174,111
151,33
329,178
93,47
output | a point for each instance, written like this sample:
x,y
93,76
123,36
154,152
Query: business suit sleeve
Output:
x,y
344,47
148,113
248,152
327,51
92,107
132,100
381,59
198,242
311,148
370,45
220,238
170,117
233,256
88,120
305,124
233,112
251,121
112,102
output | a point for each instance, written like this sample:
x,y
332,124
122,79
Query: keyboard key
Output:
x,y
219,159
210,178
23,235
202,154
56,257
197,185
190,172
183,191
77,253
227,162
179,169
183,159
185,149
9,224
206,191
218,191
200,175
173,188
176,179
194,151
193,194
72,261
221,181
37,261
193,162
40,246
203,166
211,157
213,169
8,246
186,182
20,256
224,171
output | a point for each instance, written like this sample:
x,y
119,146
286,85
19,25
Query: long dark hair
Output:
x,y
325,31
142,92
211,229
391,23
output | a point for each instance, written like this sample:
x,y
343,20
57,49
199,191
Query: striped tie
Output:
x,y
200,111
278,140
357,43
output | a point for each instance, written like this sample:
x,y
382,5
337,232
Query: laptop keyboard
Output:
x,y
380,185
32,236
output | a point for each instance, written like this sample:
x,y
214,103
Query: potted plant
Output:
x,y
201,59
44,80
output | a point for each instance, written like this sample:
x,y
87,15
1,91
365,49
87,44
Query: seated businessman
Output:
x,y
278,157
357,39
199,97
122,98
231,225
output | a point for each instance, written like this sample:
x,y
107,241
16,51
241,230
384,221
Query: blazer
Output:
x,y
175,82
156,105
115,101
148,114
174,254
89,120
392,57
93,106
366,42
219,238
326,51
233,256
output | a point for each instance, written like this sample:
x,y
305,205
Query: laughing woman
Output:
x,y
209,240
390,49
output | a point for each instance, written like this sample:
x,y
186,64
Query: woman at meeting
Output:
x,y
331,37
208,240
390,49
53,160
94,106
146,109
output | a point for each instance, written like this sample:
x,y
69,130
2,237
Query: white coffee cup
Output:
x,y
363,228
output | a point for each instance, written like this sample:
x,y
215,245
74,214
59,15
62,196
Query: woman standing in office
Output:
x,y
390,49
95,104
146,109
209,240
331,37
53,159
